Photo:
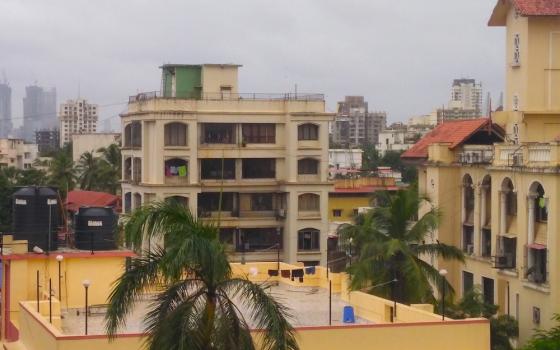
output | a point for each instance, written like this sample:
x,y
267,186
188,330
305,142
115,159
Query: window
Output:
x,y
488,290
486,243
468,282
133,135
541,211
537,270
261,202
259,133
137,170
506,258
175,167
308,132
308,239
259,168
468,239
337,213
265,238
175,134
211,169
184,201
511,203
308,166
308,202
127,168
218,133
210,202
516,50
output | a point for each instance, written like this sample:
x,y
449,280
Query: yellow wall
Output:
x,y
347,203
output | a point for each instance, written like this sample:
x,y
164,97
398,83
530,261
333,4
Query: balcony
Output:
x,y
531,155
228,96
176,172
241,205
476,154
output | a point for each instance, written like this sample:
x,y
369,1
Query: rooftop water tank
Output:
x,y
95,228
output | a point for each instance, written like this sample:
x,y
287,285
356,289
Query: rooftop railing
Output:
x,y
229,96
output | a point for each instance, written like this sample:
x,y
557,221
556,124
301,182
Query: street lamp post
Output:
x,y
86,284
443,273
59,259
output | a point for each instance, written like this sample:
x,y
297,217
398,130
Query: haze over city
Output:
x,y
402,56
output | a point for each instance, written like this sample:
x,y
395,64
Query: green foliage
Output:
x,y
371,160
196,306
546,339
502,327
389,241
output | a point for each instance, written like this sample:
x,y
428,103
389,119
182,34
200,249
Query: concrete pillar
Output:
x,y
463,201
477,224
503,212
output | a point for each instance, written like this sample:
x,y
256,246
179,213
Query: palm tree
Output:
x,y
88,168
110,167
194,307
62,173
390,241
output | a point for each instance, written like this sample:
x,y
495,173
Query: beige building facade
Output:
x,y
17,153
497,181
265,155
92,142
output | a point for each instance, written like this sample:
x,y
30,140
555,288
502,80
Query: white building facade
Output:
x,y
16,153
77,117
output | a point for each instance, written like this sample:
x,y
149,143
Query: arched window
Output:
x,y
308,166
541,211
176,167
308,132
137,170
136,200
128,135
175,134
127,202
468,199
309,239
136,134
309,202
511,197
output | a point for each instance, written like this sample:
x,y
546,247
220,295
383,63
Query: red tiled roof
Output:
x,y
537,7
77,199
452,132
523,8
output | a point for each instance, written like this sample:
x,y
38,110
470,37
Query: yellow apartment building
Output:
x,y
265,155
497,180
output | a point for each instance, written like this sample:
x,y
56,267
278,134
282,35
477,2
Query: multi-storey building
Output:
x,y
263,157
5,109
16,153
47,140
77,117
39,111
466,94
497,180
354,125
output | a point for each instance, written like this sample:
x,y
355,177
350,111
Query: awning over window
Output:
x,y
537,246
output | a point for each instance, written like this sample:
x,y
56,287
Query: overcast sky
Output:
x,y
402,55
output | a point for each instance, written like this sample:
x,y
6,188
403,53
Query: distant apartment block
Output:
x,y
265,155
39,111
5,109
77,117
399,137
354,125
16,153
47,140
465,102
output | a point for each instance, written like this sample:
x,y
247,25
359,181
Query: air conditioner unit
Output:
x,y
281,213
470,249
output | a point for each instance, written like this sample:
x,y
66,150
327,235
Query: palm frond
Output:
x,y
447,252
267,313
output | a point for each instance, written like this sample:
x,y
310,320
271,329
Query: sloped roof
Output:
x,y
452,132
523,8
77,199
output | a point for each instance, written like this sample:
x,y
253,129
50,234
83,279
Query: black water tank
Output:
x,y
31,209
95,228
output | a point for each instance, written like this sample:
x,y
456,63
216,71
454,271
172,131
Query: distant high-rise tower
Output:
x,y
77,117
5,110
466,100
39,111
354,125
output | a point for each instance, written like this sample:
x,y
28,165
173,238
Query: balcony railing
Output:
x,y
476,154
529,155
228,96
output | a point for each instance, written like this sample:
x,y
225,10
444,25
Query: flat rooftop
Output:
x,y
309,307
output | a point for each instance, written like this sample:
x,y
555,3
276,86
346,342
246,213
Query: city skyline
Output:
x,y
384,69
